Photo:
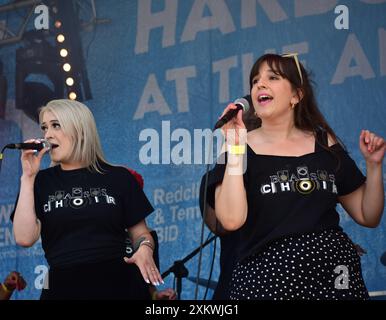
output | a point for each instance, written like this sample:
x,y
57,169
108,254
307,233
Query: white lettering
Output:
x,y
152,146
315,7
181,152
342,21
196,22
223,67
180,76
77,201
285,186
352,51
265,189
41,281
59,204
41,21
111,200
272,8
152,99
146,21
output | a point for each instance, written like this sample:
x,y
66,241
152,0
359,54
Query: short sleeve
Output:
x,y
136,205
349,177
213,177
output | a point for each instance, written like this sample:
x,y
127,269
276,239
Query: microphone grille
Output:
x,y
46,144
243,102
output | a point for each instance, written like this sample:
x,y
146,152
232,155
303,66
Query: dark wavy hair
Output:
x,y
307,116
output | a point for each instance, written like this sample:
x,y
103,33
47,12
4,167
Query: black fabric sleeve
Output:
x,y
136,205
215,176
349,177
12,216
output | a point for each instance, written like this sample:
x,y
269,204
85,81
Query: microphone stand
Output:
x,y
179,269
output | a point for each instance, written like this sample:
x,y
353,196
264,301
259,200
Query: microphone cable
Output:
x,y
204,213
202,228
211,265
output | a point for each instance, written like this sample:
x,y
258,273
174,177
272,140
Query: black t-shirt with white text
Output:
x,y
289,195
84,214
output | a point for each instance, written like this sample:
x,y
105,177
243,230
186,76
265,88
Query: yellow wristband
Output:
x,y
154,295
5,288
236,149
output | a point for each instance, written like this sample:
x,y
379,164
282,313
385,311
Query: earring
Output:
x,y
293,105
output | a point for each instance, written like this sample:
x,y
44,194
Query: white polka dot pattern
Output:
x,y
301,268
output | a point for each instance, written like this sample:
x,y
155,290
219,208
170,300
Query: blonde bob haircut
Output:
x,y
77,122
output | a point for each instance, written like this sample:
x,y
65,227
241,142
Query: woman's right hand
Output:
x,y
30,162
234,130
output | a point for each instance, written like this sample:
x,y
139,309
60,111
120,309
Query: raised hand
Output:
x,y
30,161
234,130
372,146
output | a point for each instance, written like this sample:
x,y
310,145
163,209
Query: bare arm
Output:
x,y
140,232
212,222
26,226
365,205
230,196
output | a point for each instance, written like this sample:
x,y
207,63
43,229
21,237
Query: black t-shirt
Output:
x,y
290,195
84,214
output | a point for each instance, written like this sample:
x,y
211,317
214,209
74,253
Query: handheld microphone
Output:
x,y
241,104
30,145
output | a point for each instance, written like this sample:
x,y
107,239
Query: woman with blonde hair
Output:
x,y
80,207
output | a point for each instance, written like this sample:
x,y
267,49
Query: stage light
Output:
x,y
60,38
38,78
58,24
63,53
67,67
70,81
69,15
72,95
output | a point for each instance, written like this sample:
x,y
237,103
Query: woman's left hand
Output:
x,y
372,146
143,258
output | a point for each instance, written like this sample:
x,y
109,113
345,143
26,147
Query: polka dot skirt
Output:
x,y
314,266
